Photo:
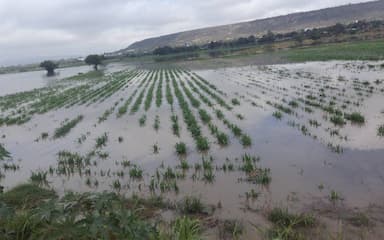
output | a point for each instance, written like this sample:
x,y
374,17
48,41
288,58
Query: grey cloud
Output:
x,y
36,29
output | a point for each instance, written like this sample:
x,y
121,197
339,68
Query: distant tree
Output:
x,y
94,60
268,38
49,66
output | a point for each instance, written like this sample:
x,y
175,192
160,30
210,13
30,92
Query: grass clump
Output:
x,y
235,101
288,225
102,141
222,138
135,172
246,140
3,153
142,120
355,117
277,115
27,195
185,228
204,116
181,148
66,127
380,131
156,124
39,177
202,144
191,205
337,120
75,216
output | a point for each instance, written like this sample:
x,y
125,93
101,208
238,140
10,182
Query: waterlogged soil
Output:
x,y
309,157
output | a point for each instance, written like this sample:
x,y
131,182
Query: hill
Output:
x,y
292,22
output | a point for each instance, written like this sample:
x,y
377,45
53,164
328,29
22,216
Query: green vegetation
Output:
x,y
361,50
124,108
186,229
66,126
204,116
25,196
3,153
50,66
142,120
102,141
175,125
156,124
31,212
181,148
235,101
94,60
190,120
246,140
288,225
40,177
222,138
337,120
159,91
355,118
380,132
277,115
148,99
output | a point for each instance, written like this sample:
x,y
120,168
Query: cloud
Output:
x,y
34,29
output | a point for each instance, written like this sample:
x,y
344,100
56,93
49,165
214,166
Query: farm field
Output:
x,y
242,143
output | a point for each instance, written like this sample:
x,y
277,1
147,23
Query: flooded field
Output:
x,y
244,139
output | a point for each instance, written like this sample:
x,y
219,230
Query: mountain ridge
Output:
x,y
368,11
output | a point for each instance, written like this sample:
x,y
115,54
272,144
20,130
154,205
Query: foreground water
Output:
x,y
309,157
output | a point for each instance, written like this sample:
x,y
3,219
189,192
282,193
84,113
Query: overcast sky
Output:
x,y
31,30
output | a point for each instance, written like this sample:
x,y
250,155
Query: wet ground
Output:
x,y
308,155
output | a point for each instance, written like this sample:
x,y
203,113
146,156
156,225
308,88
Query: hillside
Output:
x,y
291,22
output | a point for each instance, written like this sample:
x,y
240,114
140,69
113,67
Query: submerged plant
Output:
x,y
277,115
246,140
142,120
355,118
185,228
39,178
380,131
102,141
66,127
181,148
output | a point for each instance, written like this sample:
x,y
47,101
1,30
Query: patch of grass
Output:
x,y
40,177
155,148
102,141
337,120
289,225
355,117
136,172
3,153
235,101
27,195
191,205
66,127
231,229
204,116
277,115
185,228
361,50
246,140
142,120
222,138
202,143
156,124
380,131
181,148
